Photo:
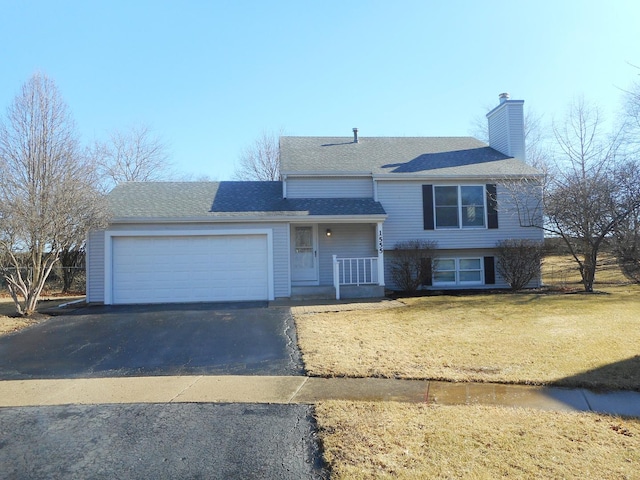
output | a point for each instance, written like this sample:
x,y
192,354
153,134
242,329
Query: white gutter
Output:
x,y
422,178
332,173
262,219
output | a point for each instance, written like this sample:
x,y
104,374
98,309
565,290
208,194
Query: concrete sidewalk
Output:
x,y
307,390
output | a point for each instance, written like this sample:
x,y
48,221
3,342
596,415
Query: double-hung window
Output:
x,y
458,271
459,206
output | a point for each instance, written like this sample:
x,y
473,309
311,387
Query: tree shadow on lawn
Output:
x,y
622,375
598,393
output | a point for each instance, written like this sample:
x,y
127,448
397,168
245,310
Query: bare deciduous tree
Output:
x,y
48,190
588,193
587,200
133,155
261,159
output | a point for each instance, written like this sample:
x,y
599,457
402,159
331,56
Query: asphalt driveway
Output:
x,y
193,339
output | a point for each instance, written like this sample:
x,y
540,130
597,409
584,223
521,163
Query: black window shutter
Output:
x,y
492,206
489,271
428,272
427,206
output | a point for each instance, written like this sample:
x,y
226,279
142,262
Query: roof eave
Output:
x,y
253,219
413,176
327,173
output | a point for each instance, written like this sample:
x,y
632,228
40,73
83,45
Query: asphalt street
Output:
x,y
158,441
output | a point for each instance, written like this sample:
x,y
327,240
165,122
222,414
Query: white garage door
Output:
x,y
190,269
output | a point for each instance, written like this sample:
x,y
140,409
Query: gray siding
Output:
x,y
95,266
498,133
95,256
402,200
506,129
347,240
330,187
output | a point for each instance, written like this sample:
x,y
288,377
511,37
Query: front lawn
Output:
x,y
408,441
581,340
577,339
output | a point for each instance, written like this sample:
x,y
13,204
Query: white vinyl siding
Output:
x,y
506,129
402,201
329,187
95,266
498,130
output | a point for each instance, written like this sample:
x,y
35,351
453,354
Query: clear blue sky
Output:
x,y
210,76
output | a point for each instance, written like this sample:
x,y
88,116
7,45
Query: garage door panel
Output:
x,y
190,268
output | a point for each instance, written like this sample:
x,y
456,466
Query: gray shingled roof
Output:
x,y
432,156
224,200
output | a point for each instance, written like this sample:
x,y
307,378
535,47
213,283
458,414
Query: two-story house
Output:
x,y
329,226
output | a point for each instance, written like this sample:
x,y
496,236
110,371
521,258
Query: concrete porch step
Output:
x,y
322,292
325,292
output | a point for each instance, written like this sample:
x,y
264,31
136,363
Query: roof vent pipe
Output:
x,y
503,97
355,135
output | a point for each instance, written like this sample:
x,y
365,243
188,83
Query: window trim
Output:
x,y
460,226
457,270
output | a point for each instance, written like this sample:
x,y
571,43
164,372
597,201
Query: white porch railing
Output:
x,y
354,271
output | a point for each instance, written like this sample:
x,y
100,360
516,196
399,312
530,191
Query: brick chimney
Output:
x,y
506,127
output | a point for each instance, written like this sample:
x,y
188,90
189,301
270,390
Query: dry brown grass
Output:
x,y
408,441
562,271
586,340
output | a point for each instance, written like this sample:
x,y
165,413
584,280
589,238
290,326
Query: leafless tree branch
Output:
x,y
261,159
132,155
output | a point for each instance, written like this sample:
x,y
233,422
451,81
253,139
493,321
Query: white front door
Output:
x,y
304,254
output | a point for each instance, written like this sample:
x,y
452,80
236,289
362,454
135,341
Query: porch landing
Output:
x,y
327,292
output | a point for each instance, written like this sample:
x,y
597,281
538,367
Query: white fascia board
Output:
x,y
422,178
133,220
332,173
273,219
339,219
